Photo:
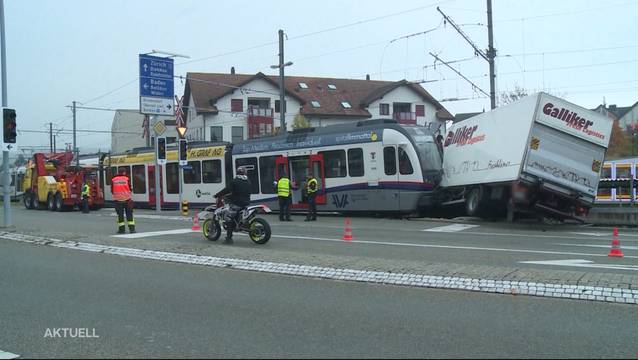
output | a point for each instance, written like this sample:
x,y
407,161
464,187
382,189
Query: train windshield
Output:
x,y
428,151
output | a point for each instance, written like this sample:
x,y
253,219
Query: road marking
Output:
x,y
589,234
601,246
154,233
451,228
7,355
514,287
582,263
442,246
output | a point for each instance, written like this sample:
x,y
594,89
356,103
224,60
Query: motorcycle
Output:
x,y
222,214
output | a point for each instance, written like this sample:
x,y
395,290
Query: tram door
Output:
x,y
151,186
318,171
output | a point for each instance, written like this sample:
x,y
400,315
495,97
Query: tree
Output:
x,y
300,122
619,142
512,96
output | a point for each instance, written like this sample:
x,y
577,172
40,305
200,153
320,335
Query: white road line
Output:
x,y
582,263
589,234
154,233
7,355
451,228
443,246
602,246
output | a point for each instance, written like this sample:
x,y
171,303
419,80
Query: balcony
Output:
x,y
260,122
405,118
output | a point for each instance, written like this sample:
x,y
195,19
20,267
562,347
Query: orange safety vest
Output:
x,y
120,189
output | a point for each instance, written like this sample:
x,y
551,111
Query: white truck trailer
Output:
x,y
540,154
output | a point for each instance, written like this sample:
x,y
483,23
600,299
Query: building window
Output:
x,y
139,179
420,110
315,104
193,173
335,163
303,85
384,109
355,162
172,178
346,105
250,164
237,105
405,166
389,160
267,174
277,106
332,86
237,134
216,133
212,171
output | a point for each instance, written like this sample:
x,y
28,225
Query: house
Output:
x,y
233,107
627,116
128,130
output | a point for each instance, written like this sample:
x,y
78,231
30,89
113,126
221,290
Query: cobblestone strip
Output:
x,y
578,292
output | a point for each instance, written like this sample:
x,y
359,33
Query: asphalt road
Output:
x,y
142,308
480,244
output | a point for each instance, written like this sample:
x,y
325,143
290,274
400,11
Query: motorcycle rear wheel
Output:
x,y
211,230
259,231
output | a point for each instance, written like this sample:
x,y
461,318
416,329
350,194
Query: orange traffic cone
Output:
x,y
347,233
615,246
196,223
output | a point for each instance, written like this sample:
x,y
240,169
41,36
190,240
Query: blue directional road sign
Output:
x,y
156,85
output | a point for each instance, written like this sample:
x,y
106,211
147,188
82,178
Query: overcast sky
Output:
x,y
87,51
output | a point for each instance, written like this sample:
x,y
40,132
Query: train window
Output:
x,y
139,179
172,178
252,172
109,174
606,173
355,162
267,172
389,160
335,163
193,172
212,171
405,165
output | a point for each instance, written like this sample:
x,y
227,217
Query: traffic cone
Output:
x,y
615,246
347,233
196,223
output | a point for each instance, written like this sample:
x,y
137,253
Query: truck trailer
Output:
x,y
540,154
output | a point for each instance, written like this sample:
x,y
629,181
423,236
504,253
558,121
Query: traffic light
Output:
x,y
182,149
161,148
9,133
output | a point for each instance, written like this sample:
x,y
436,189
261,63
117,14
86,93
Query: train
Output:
x,y
376,166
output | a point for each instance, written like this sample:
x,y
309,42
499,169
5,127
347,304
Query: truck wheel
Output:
x,y
50,202
59,205
473,201
35,203
27,200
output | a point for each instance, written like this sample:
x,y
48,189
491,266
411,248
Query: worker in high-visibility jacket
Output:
x,y
311,192
121,191
86,191
284,190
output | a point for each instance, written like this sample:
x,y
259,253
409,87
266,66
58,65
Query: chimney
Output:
x,y
367,76
232,70
613,107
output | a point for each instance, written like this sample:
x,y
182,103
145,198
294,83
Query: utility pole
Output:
x,y
75,149
491,54
54,141
51,137
282,101
6,179
487,56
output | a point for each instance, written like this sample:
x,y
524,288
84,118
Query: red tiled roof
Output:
x,y
208,87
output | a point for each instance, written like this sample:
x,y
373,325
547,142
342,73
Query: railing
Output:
x,y
406,118
255,111
260,122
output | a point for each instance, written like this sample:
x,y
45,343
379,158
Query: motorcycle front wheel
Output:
x,y
211,229
259,231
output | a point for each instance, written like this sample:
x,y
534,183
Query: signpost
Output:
x,y
156,85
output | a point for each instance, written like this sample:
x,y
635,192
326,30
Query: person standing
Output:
x,y
86,190
311,191
121,191
284,192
